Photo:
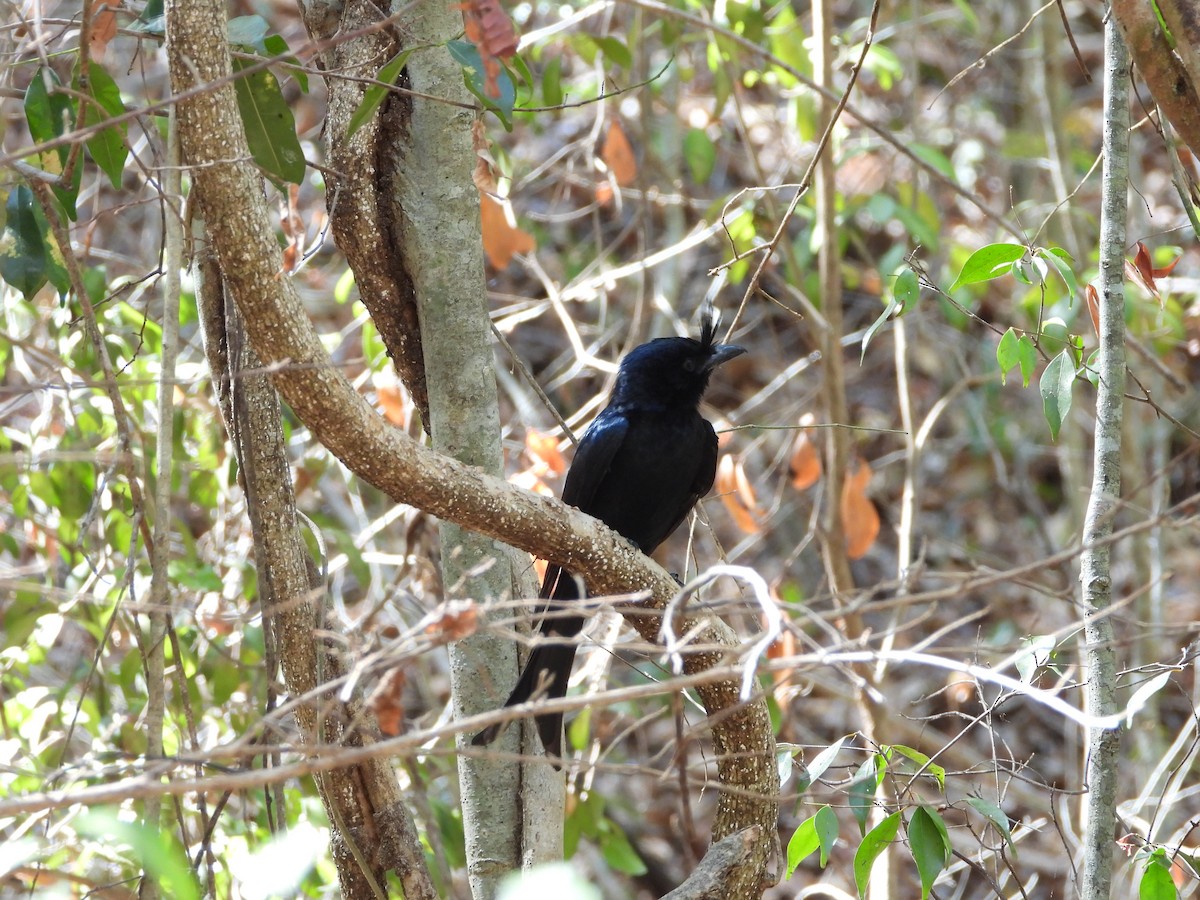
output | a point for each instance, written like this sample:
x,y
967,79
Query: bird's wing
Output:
x,y
594,458
706,474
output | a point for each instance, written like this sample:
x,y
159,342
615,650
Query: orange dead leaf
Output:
x,y
805,464
540,566
1164,271
543,448
293,229
386,702
491,31
737,494
618,155
1093,302
104,26
862,175
485,164
393,399
502,239
782,648
1179,875
453,621
1142,270
496,35
860,519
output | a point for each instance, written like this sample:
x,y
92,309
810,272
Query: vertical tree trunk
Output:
x,y
437,223
372,829
1099,803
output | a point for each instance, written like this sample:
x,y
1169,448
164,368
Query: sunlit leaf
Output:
x,y
987,263
1055,386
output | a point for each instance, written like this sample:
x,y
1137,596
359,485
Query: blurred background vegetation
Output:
x,y
642,150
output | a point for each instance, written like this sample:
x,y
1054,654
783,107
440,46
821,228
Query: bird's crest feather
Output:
x,y
710,321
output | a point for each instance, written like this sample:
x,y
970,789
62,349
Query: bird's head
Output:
x,y
672,372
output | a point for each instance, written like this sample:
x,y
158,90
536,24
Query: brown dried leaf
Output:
x,y
293,229
805,464
618,155
860,519
489,28
485,164
502,239
393,399
543,448
386,703
104,26
737,494
1093,302
453,621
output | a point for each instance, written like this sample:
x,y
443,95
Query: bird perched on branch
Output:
x,y
640,468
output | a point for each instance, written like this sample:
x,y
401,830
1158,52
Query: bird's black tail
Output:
x,y
545,676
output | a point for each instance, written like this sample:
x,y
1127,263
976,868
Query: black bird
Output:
x,y
640,468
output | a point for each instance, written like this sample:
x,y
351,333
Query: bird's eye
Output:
x,y
689,365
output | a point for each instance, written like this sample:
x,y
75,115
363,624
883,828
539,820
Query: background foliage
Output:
x,y
638,148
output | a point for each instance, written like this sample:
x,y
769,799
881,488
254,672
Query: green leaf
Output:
x,y
614,50
1027,357
930,845
923,761
1156,883
1035,652
824,759
191,575
1061,260
467,55
1055,386
552,92
803,842
906,290
827,832
1006,354
579,730
247,30
933,157
28,254
50,113
107,147
158,852
996,816
151,21
375,93
618,852
785,763
275,45
700,155
270,128
818,831
873,844
862,790
987,263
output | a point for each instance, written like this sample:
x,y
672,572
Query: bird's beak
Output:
x,y
722,353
